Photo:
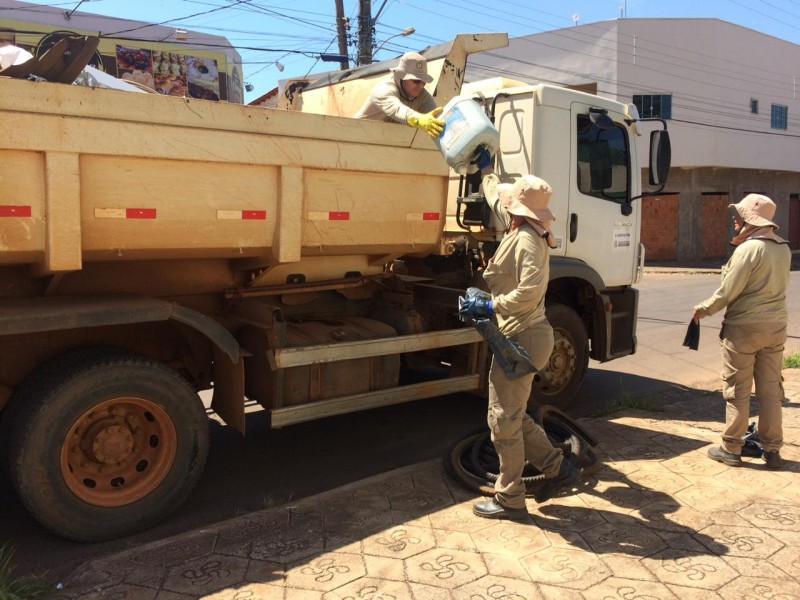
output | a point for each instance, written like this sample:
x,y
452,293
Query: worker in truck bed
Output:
x,y
404,98
517,276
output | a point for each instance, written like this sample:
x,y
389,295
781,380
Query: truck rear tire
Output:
x,y
564,373
104,446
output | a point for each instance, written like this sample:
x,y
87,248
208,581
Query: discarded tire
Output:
x,y
473,462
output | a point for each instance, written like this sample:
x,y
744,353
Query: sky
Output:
x,y
293,33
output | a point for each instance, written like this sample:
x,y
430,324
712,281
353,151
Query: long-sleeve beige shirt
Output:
x,y
754,284
386,102
518,272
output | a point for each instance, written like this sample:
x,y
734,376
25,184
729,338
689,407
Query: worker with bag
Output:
x,y
517,276
404,98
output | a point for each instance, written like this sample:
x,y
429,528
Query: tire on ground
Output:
x,y
105,443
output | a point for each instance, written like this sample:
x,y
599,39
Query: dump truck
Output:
x,y
152,248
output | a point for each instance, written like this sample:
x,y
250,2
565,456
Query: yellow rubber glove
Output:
x,y
428,122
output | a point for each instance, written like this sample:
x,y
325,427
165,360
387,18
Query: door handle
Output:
x,y
573,227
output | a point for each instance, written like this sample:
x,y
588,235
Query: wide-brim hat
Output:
x,y
757,210
528,197
412,65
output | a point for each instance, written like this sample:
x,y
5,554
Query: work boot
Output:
x,y
566,477
719,454
492,509
773,459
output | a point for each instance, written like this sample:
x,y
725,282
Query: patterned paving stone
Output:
x,y
382,567
694,463
503,565
747,542
369,589
632,540
755,567
788,561
677,568
614,496
711,498
206,574
567,518
326,572
746,588
456,540
512,539
630,567
492,587
445,568
458,517
773,516
687,593
759,479
665,481
674,517
119,592
400,541
565,568
646,452
287,544
420,591
250,591
625,589
420,500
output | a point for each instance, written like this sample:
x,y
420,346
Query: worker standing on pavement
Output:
x,y
753,291
403,98
517,276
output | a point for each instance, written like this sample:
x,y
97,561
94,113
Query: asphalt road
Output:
x,y
271,467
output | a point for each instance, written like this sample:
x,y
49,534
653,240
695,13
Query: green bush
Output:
x,y
792,360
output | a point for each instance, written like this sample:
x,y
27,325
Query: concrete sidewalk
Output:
x,y
659,520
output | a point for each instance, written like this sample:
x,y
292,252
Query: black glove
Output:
x,y
692,338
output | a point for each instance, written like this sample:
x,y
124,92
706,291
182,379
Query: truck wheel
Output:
x,y
564,373
104,447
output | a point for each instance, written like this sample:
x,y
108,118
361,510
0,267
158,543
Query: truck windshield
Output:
x,y
603,163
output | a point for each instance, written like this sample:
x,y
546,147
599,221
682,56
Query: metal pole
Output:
x,y
341,32
364,32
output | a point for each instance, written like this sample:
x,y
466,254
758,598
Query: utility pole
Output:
x,y
341,32
364,32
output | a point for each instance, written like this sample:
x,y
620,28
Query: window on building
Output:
x,y
779,117
754,106
603,161
657,106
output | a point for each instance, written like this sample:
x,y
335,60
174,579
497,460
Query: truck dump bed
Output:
x,y
100,175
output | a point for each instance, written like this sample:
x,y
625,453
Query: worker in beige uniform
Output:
x,y
753,292
404,99
517,276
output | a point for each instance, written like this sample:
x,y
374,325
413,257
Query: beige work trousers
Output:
x,y
753,353
515,435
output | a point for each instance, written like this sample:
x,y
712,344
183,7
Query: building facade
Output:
x,y
168,60
730,99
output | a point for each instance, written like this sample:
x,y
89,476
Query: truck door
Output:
x,y
598,231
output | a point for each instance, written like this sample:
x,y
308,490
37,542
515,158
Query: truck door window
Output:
x,y
603,164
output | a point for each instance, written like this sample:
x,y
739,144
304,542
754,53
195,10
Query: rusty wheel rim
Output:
x,y
118,451
561,365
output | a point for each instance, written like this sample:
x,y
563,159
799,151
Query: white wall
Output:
x,y
712,69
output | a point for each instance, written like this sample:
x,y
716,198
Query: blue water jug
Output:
x,y
466,128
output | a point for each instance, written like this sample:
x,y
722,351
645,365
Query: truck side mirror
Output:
x,y
660,157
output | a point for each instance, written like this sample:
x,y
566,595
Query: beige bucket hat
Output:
x,y
527,197
757,210
412,66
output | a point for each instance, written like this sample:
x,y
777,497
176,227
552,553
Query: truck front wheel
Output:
x,y
106,446
564,373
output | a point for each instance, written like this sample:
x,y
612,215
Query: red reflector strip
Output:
x,y
140,213
254,215
339,216
430,216
15,211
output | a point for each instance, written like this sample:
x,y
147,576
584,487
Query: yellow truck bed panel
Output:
x,y
101,175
